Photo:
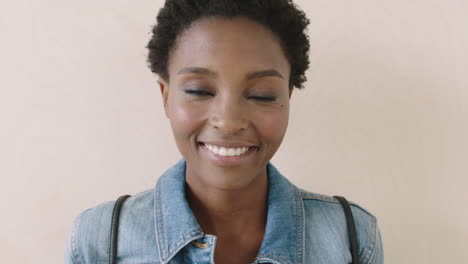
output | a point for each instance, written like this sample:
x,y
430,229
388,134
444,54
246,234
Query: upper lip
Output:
x,y
226,144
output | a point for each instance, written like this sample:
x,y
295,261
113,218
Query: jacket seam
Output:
x,y
364,249
303,228
374,240
366,246
297,222
299,228
166,247
75,254
371,248
160,240
333,202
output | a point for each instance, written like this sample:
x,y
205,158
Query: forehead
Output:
x,y
234,45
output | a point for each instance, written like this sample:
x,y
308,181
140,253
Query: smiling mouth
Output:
x,y
227,151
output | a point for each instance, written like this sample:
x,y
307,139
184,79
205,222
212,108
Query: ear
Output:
x,y
164,87
290,92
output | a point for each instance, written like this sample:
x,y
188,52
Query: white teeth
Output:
x,y
238,151
230,152
223,152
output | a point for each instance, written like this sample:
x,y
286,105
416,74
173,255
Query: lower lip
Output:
x,y
228,161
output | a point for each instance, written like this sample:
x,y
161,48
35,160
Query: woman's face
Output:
x,y
227,92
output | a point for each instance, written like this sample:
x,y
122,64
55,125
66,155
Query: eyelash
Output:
x,y
206,93
198,92
264,98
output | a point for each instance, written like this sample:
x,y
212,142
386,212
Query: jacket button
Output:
x,y
200,245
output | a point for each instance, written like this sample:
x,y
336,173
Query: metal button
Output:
x,y
200,245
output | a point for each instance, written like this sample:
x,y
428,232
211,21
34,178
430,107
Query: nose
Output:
x,y
229,116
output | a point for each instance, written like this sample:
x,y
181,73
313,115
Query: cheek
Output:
x,y
272,125
185,118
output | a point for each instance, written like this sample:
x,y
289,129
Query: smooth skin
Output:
x,y
229,84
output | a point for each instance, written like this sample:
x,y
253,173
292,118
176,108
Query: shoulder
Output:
x,y
324,216
332,204
90,235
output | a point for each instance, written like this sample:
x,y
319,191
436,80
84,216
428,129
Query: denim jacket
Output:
x,y
158,226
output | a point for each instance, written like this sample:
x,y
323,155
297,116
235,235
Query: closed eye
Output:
x,y
198,92
263,98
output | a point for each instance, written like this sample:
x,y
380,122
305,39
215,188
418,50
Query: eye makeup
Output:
x,y
267,98
197,92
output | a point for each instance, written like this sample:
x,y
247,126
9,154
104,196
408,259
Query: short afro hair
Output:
x,y
282,17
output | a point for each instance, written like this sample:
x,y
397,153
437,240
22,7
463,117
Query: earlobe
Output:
x,y
164,88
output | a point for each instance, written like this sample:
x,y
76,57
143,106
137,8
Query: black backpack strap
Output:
x,y
115,228
351,229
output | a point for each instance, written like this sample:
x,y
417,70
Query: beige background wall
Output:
x,y
383,119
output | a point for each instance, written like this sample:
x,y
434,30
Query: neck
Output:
x,y
229,212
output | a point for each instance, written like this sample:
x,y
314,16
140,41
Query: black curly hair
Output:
x,y
282,17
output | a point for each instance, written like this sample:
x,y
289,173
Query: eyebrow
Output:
x,y
250,75
197,70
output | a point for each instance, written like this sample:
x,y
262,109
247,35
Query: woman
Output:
x,y
227,70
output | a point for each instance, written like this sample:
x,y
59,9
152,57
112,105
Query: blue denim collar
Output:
x,y
176,225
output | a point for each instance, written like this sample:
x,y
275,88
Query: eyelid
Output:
x,y
264,98
198,91
201,91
